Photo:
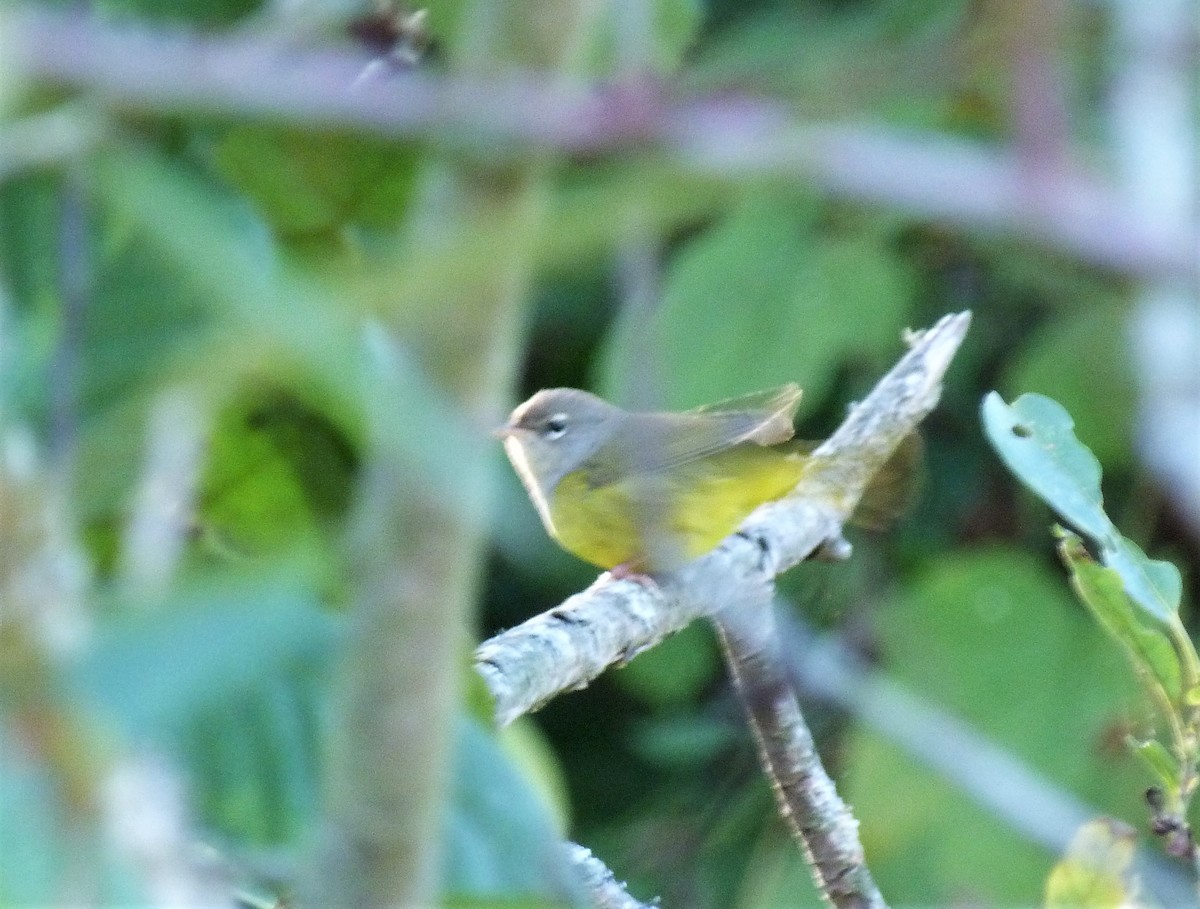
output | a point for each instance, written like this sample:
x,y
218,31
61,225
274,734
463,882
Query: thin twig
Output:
x,y
613,620
725,134
808,799
163,506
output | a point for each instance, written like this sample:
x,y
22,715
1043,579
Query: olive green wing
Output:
x,y
763,417
650,443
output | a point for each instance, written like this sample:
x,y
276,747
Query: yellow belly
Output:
x,y
686,510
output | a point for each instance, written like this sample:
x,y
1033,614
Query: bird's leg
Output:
x,y
633,571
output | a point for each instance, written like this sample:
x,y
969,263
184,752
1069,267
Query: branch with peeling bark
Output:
x,y
614,619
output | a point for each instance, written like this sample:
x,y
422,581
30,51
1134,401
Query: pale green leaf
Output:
x,y
1155,585
154,674
1035,438
994,637
501,841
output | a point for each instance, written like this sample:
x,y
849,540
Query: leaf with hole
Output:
x,y
1154,584
1035,438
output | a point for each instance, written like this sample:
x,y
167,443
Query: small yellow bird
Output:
x,y
635,491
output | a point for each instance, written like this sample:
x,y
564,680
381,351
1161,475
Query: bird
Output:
x,y
632,491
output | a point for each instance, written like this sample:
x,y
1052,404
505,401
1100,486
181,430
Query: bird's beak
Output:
x,y
502,432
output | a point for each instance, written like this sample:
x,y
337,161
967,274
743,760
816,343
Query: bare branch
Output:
x,y
953,180
162,514
273,75
613,620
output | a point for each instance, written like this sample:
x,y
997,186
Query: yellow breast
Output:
x,y
690,507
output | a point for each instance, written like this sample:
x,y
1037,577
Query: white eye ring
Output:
x,y
556,426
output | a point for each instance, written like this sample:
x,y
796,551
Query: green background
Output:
x,y
239,257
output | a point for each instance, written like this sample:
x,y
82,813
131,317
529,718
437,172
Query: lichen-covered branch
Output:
x,y
601,885
613,620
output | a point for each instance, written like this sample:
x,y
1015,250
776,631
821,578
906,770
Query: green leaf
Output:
x,y
154,674
30,210
838,61
278,318
279,476
1104,592
763,298
500,838
310,182
994,637
1034,438
1096,871
530,751
230,683
1155,585
670,30
254,760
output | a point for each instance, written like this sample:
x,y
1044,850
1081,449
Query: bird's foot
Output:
x,y
632,571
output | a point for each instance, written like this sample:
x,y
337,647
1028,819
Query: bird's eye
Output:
x,y
555,426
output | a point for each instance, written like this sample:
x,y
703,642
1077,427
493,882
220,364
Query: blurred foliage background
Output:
x,y
270,271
